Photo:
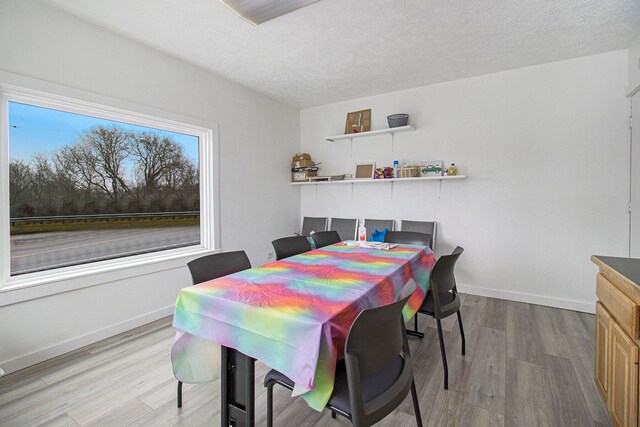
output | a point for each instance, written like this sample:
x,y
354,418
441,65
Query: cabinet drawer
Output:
x,y
622,308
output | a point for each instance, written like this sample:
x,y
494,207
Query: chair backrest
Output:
x,y
443,280
290,246
347,228
212,266
376,339
315,224
325,238
378,224
408,238
428,227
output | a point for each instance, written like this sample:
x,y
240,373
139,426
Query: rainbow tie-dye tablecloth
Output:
x,y
293,315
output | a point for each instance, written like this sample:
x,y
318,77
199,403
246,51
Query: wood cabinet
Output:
x,y
623,378
617,338
603,323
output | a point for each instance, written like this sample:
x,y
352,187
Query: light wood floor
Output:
x,y
526,365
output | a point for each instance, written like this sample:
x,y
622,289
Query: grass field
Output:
x,y
101,225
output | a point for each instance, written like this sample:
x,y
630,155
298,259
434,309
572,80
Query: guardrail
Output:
x,y
100,217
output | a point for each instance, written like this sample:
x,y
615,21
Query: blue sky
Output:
x,y
42,130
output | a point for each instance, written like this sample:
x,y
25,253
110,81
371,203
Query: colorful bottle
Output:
x,y
395,168
362,233
453,170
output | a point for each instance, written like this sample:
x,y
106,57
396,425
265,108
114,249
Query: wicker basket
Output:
x,y
410,172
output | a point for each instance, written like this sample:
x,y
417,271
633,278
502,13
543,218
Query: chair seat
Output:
x,y
372,385
427,306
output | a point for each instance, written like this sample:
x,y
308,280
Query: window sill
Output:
x,y
38,285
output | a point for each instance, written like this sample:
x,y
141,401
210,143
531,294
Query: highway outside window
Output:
x,y
85,188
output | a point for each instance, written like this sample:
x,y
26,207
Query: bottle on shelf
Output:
x,y
453,170
395,168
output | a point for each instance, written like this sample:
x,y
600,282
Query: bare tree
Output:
x,y
81,166
43,188
188,176
20,181
65,168
98,160
106,170
155,156
67,183
110,147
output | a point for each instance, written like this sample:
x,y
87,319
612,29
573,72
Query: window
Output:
x,y
90,184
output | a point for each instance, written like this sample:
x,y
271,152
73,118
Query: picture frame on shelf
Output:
x,y
358,121
365,170
431,168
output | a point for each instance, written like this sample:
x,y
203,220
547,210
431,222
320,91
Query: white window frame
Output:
x,y
43,94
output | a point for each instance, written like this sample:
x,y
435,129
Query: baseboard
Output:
x,y
569,304
79,342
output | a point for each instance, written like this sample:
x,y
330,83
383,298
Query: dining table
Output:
x,y
293,315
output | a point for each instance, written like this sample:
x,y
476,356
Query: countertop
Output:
x,y
624,272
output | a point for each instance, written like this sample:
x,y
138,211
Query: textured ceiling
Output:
x,y
334,50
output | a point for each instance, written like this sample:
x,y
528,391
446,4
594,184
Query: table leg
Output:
x,y
237,397
415,332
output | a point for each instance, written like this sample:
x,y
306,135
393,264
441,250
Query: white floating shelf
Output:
x,y
366,180
352,136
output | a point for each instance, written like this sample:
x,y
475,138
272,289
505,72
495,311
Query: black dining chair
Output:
x,y
325,238
443,301
347,228
378,224
408,238
377,371
290,246
211,267
428,227
313,224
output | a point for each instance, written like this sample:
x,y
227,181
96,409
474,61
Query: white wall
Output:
x,y
634,65
257,138
634,235
545,149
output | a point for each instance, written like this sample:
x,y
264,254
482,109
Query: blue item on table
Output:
x,y
378,236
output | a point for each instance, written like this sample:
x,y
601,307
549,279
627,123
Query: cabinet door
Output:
x,y
623,376
603,322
